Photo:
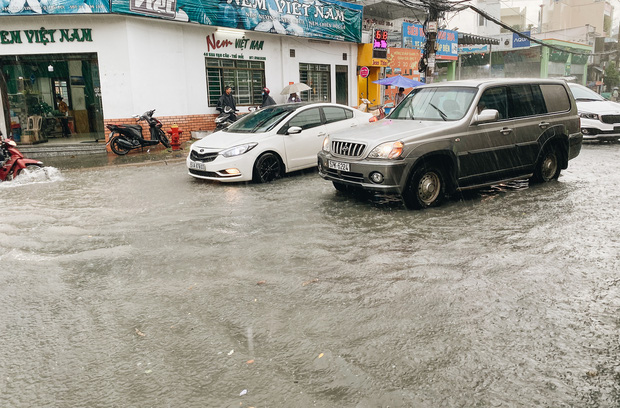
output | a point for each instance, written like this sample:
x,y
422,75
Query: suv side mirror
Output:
x,y
486,116
293,130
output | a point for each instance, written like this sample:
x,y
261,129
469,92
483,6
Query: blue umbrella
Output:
x,y
399,81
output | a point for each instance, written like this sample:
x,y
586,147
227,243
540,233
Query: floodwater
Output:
x,y
138,286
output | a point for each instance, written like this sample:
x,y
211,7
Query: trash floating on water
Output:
x,y
231,352
243,393
139,333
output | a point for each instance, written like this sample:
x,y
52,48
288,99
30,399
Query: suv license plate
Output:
x,y
197,166
338,165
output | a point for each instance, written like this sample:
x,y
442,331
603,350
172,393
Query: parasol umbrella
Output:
x,y
399,81
294,88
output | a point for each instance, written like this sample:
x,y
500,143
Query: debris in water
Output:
x,y
249,361
243,393
231,352
321,355
261,282
139,333
309,282
592,373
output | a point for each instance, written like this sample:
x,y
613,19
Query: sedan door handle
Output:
x,y
505,131
543,125
322,134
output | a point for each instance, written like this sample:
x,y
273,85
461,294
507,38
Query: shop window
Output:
x,y
247,79
317,77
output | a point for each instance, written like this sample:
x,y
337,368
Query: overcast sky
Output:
x,y
533,7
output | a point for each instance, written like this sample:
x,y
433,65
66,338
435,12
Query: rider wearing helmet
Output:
x,y
267,100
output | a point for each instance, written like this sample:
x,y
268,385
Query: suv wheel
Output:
x,y
426,188
548,166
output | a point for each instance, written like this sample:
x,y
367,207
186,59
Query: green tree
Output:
x,y
612,76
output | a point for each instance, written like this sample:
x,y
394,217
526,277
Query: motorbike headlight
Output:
x,y
390,150
589,115
238,150
326,146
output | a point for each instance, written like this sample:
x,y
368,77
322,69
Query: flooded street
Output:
x,y
139,286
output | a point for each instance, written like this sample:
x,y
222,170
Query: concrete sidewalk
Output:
x,y
102,159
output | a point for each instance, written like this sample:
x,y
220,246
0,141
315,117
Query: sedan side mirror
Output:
x,y
293,130
486,116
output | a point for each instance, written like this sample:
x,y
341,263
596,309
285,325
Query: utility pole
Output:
x,y
431,28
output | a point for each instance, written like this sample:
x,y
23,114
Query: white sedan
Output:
x,y
600,118
265,144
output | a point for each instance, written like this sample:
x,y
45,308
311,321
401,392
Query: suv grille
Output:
x,y
610,119
205,158
347,149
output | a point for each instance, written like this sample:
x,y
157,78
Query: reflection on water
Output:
x,y
141,286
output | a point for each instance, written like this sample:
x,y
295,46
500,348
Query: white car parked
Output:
x,y
265,144
600,118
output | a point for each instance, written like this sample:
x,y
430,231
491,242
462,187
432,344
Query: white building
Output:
x,y
109,67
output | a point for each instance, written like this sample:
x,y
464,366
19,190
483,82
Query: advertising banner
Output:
x,y
324,19
520,42
33,7
447,40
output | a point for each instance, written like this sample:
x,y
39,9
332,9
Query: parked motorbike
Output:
x,y
12,162
124,138
226,118
377,110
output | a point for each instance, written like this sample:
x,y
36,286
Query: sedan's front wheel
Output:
x,y
267,168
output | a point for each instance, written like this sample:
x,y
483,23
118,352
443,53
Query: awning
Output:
x,y
390,10
471,39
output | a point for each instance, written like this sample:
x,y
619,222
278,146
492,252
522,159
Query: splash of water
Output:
x,y
42,175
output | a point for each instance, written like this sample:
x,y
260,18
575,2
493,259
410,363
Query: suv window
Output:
x,y
525,100
495,98
335,114
555,97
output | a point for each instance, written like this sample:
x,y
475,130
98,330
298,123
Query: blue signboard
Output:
x,y
520,42
447,41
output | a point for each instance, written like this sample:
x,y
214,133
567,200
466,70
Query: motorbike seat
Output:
x,y
135,127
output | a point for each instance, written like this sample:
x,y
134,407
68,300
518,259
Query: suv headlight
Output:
x,y
326,146
390,150
586,115
238,150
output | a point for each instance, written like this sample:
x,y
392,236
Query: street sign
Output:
x,y
364,72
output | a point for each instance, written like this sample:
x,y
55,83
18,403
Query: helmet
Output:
x,y
266,90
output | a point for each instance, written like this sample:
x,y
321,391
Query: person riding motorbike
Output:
x,y
227,100
267,100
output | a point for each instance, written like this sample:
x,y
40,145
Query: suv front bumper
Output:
x,y
359,174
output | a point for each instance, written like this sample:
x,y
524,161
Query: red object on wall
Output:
x,y
174,133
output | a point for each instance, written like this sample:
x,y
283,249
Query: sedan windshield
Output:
x,y
581,93
440,103
260,121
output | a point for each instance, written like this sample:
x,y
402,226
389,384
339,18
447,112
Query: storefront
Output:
x,y
109,67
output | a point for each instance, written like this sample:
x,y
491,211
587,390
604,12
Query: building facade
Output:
x,y
107,67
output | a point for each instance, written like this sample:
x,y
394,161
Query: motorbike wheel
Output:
x,y
29,169
117,148
164,140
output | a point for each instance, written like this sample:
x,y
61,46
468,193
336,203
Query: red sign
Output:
x,y
364,72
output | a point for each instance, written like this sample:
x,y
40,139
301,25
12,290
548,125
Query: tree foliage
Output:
x,y
612,76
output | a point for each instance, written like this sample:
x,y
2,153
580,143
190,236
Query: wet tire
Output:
x,y
164,140
426,188
267,168
548,166
117,148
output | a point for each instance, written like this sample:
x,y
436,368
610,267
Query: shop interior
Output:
x,y
34,86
